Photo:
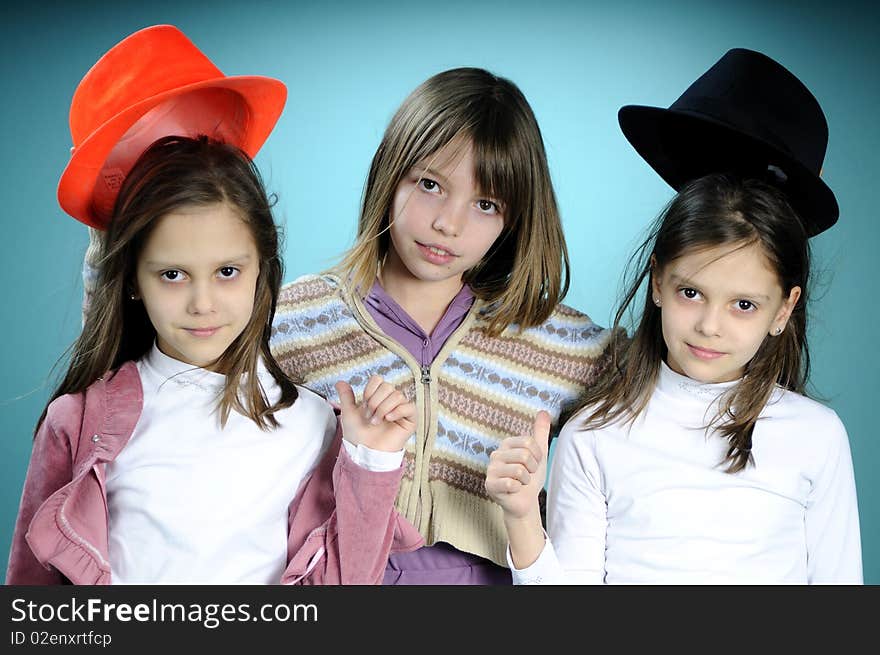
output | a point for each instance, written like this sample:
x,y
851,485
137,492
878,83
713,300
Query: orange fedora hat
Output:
x,y
155,83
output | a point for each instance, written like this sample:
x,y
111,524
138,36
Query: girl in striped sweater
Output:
x,y
452,294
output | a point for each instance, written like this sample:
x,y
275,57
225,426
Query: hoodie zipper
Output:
x,y
426,384
364,319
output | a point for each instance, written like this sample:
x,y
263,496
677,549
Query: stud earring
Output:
x,y
777,331
657,301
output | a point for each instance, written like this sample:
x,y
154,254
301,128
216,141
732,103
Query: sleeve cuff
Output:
x,y
373,460
544,570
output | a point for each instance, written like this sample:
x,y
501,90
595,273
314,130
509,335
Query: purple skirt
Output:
x,y
443,564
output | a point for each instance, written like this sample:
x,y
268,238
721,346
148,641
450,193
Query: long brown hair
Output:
x,y
173,173
525,273
712,211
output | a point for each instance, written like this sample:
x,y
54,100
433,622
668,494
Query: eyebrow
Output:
x,y
240,259
423,172
679,280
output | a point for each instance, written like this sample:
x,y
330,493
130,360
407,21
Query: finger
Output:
x,y
541,431
391,402
503,470
373,383
511,444
502,485
516,472
522,456
405,410
346,396
494,487
375,401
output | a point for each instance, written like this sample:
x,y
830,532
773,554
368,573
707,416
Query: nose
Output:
x,y
201,298
451,219
709,321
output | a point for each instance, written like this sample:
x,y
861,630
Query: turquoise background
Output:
x,y
348,65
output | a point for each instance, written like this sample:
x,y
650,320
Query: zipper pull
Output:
x,y
426,375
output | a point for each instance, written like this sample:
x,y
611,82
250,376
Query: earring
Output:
x,y
133,296
777,331
657,301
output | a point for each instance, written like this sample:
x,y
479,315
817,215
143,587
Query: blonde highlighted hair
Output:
x,y
525,273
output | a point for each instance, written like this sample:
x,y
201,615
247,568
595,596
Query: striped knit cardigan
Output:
x,y
478,390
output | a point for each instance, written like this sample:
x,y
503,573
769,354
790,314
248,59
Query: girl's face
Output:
x,y
717,307
197,275
442,225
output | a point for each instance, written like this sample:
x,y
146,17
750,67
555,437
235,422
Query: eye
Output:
x,y
746,305
429,185
690,294
172,275
488,207
228,272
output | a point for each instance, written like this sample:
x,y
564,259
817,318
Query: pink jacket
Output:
x,y
342,523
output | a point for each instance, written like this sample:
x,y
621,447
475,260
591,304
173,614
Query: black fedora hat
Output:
x,y
747,115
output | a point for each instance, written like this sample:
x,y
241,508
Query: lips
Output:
x,y
704,353
202,332
435,254
436,249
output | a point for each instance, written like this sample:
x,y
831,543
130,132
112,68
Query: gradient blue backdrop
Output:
x,y
348,65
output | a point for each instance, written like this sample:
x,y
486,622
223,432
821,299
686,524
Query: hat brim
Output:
x,y
682,147
264,97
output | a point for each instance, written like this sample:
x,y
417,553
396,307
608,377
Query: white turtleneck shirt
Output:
x,y
189,502
650,503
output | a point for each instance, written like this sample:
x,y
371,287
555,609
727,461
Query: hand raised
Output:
x,y
517,469
383,420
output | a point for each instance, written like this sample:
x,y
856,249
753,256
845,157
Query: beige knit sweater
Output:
x,y
478,390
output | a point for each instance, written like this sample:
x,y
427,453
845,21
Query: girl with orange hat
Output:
x,y
700,460
175,449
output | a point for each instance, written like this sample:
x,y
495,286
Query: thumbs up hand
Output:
x,y
514,479
383,420
517,470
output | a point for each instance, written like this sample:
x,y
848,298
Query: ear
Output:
x,y
655,278
131,291
784,313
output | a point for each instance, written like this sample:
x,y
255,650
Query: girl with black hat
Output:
x,y
699,459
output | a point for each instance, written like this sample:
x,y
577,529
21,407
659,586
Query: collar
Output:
x,y
676,384
381,301
165,369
